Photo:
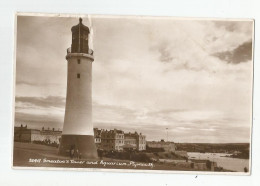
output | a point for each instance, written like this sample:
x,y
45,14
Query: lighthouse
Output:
x,y
78,135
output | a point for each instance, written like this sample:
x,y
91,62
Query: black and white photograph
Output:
x,y
133,93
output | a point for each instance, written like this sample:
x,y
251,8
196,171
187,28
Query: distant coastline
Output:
x,y
242,155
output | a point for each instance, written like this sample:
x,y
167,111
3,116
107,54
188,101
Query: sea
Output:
x,y
233,164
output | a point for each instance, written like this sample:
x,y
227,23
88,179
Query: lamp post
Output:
x,y
166,134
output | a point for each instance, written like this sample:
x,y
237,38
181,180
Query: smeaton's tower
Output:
x,y
77,135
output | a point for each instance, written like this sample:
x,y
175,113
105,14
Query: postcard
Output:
x,y
133,93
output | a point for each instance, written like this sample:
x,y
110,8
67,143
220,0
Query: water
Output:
x,y
234,164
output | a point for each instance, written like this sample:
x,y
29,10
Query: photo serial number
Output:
x,y
34,160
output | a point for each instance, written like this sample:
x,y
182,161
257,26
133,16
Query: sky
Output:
x,y
190,78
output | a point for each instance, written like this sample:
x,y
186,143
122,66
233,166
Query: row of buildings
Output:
x,y
108,140
24,134
116,140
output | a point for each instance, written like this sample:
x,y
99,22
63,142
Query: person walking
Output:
x,y
72,152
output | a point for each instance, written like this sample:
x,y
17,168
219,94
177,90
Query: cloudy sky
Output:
x,y
193,77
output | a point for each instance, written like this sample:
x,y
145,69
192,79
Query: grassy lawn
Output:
x,y
35,155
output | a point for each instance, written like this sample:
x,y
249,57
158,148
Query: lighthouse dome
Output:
x,y
80,26
80,37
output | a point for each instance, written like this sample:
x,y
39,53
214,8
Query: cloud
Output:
x,y
163,49
234,26
112,113
243,53
145,77
167,111
37,112
35,83
47,102
21,82
40,62
38,121
180,123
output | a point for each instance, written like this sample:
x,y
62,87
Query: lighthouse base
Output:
x,y
78,146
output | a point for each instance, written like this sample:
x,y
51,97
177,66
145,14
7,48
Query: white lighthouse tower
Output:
x,y
77,135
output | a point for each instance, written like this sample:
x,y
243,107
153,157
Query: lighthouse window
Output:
x,y
78,61
78,75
